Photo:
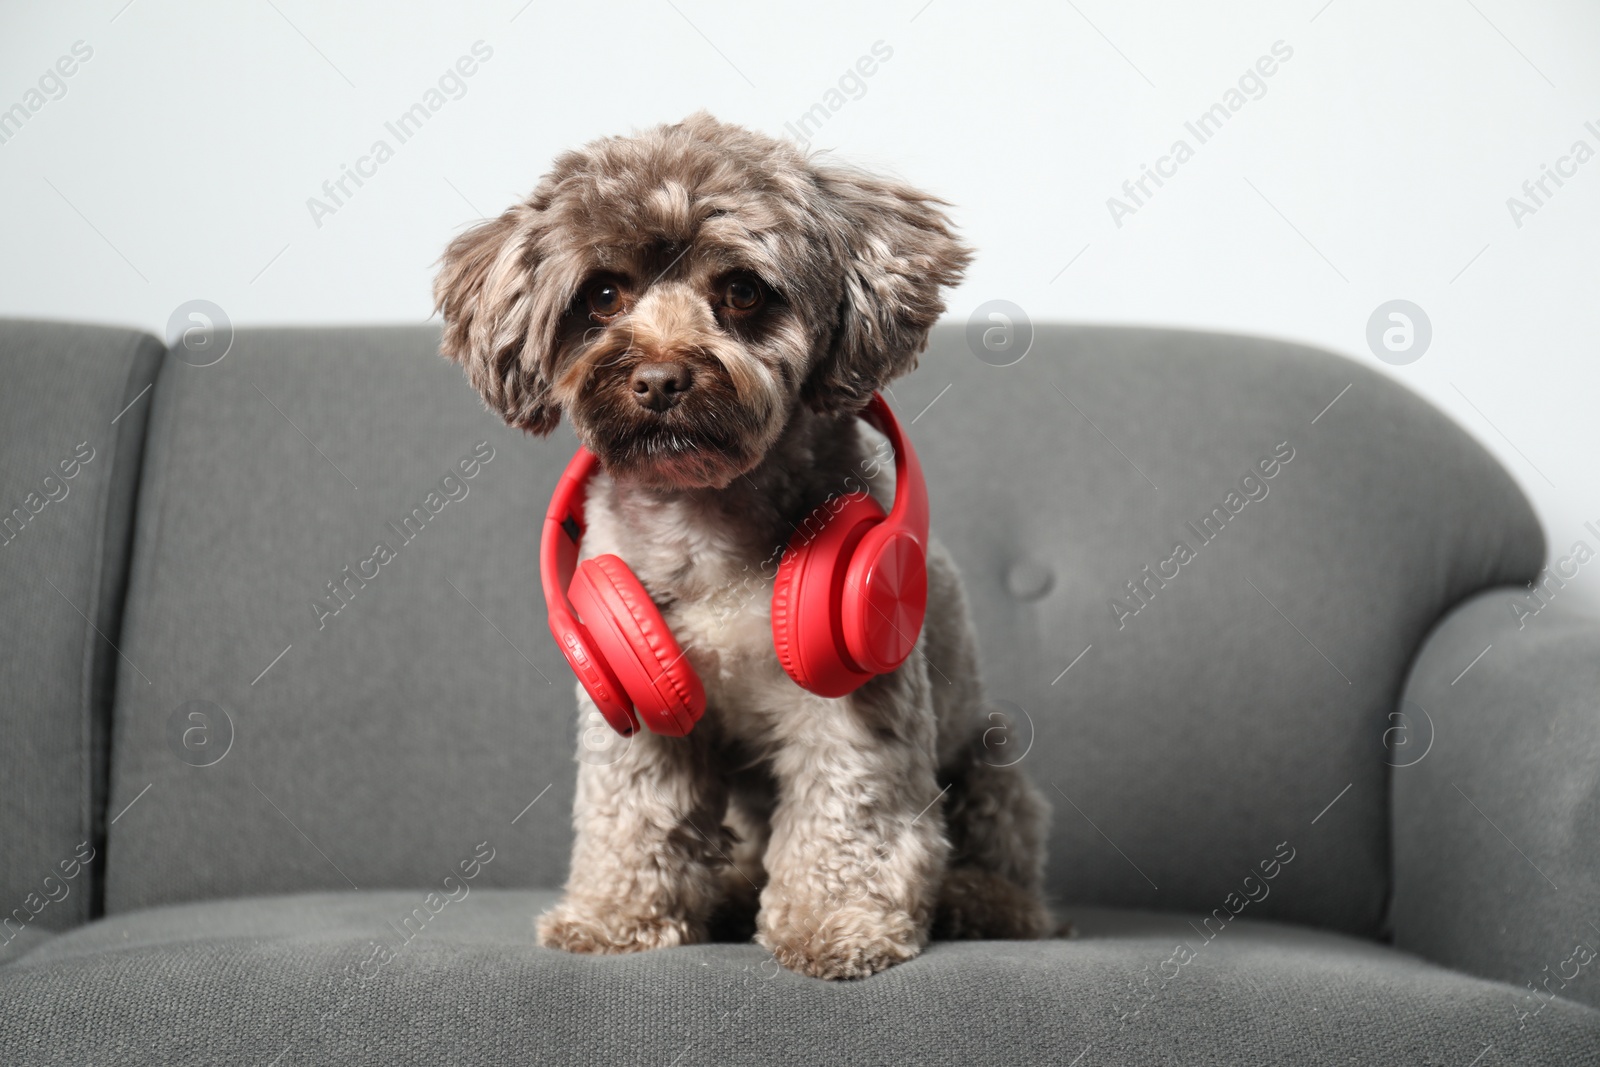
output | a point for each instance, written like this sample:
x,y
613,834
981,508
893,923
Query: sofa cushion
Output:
x,y
1186,727
72,415
299,978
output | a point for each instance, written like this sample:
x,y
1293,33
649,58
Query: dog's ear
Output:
x,y
897,252
496,323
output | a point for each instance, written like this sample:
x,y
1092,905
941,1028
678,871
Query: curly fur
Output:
x,y
840,831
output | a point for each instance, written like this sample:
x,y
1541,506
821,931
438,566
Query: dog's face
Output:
x,y
679,292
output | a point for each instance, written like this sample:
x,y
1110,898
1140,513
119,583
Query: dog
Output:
x,y
712,309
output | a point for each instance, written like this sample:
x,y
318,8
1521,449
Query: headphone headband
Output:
x,y
910,509
558,545
564,524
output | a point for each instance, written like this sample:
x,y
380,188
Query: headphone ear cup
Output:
x,y
806,596
630,633
885,599
783,617
598,679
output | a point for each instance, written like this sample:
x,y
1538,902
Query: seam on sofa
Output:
x,y
88,816
148,510
97,705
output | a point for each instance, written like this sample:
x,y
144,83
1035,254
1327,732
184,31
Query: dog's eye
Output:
x,y
604,299
743,294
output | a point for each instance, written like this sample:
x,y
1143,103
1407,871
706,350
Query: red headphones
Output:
x,y
847,603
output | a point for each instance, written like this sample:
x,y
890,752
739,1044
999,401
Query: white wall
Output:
x,y
1377,164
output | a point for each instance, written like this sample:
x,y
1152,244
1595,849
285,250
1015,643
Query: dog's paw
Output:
x,y
608,933
851,943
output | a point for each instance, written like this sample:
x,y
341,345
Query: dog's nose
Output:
x,y
658,386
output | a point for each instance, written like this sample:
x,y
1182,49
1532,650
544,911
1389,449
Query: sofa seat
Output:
x,y
297,977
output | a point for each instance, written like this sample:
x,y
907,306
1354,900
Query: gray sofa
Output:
x,y
1324,780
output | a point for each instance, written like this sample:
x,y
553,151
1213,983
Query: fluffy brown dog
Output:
x,y
711,309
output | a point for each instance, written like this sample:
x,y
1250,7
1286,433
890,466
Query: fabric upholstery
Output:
x,y
72,422
1497,805
1251,688
292,977
1196,735
365,733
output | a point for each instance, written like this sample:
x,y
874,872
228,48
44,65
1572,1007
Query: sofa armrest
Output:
x,y
73,406
1496,796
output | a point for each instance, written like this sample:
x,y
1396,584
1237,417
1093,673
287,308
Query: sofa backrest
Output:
x,y
72,415
1248,542
308,727
1199,565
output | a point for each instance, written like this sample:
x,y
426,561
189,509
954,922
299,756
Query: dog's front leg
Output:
x,y
648,816
857,844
